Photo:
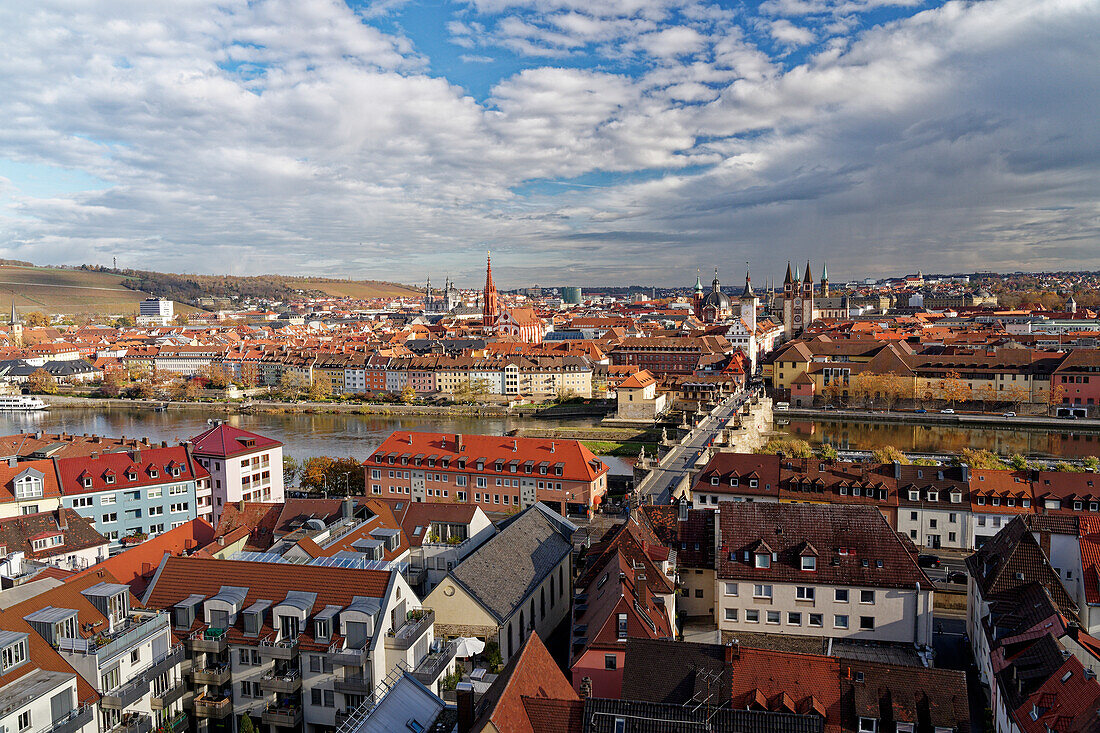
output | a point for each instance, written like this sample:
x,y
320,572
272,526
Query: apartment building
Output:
x,y
293,646
60,538
516,584
440,536
818,570
28,487
932,505
496,473
243,466
134,493
689,534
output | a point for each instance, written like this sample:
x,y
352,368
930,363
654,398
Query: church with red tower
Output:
x,y
522,324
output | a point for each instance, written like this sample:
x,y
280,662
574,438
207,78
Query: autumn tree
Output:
x,y
36,319
1057,393
250,375
334,475
889,454
42,382
788,448
978,458
292,383
321,389
408,394
216,375
953,388
112,384
1017,395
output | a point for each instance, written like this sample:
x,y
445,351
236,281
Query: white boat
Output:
x,y
22,403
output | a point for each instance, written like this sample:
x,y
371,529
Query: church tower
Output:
x,y
16,328
789,285
428,295
825,280
748,305
489,305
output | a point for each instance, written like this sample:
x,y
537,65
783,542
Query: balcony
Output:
x,y
134,723
347,657
212,675
212,707
287,716
166,661
354,684
125,695
417,622
434,665
211,641
284,649
169,696
107,645
74,721
285,683
177,723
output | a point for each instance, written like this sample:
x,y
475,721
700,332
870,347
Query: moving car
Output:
x,y
928,561
1008,414
947,411
920,410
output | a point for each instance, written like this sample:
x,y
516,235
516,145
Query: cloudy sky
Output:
x,y
583,141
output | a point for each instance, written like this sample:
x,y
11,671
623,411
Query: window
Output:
x,y
840,621
868,725
866,596
15,654
135,656
867,623
609,661
794,618
752,616
24,721
698,592
804,593
731,589
913,516
763,560
107,499
840,595
773,617
108,518
156,511
621,622
731,614
816,620
761,591
809,562
177,508
242,657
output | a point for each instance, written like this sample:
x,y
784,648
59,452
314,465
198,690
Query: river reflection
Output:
x,y
922,438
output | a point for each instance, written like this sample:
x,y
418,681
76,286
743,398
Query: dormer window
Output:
x,y
1078,506
809,562
734,481
981,501
914,496
996,501
87,482
714,481
752,483
1026,503
1010,501
322,629
956,497
153,473
131,475
763,560
933,496
868,725
29,485
109,478
14,650
175,471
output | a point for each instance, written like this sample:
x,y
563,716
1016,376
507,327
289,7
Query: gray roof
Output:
x,y
502,573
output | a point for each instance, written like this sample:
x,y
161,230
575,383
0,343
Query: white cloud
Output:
x,y
790,34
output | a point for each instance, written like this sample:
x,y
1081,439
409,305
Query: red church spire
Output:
x,y
489,301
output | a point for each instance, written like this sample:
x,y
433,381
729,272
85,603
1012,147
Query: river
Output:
x,y
354,435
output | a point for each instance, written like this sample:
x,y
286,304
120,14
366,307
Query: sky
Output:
x,y
583,142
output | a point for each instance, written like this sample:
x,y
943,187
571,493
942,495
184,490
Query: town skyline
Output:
x,y
611,144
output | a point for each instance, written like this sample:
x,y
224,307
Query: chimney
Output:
x,y
349,508
13,462
458,442
586,688
965,472
135,455
897,470
96,438
733,651
62,519
551,446
682,508
464,696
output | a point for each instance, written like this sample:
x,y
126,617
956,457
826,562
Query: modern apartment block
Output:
x,y
243,466
294,646
496,473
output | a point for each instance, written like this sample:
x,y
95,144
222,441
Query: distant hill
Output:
x,y
106,291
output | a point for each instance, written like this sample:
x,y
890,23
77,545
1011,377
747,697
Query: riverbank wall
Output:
x,y
272,407
959,420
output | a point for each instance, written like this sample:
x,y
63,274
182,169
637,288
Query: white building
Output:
x,y
243,466
155,312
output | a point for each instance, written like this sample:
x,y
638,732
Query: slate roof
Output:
x,y
661,671
649,717
501,573
854,545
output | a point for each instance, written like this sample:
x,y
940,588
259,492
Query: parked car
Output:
x,y
920,409
957,576
1008,414
928,561
947,411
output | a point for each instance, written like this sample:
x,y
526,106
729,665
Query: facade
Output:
x,y
242,466
689,533
636,398
294,646
496,473
155,312
440,536
517,583
798,302
60,538
135,493
818,570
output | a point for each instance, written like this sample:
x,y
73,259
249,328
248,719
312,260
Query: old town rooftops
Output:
x,y
852,545
128,469
567,459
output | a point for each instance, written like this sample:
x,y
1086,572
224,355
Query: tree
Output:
x,y
895,387
334,475
827,452
986,393
247,726
292,383
1057,393
978,458
889,454
408,394
321,389
291,467
42,382
788,448
250,375
1017,462
1091,463
36,319
112,384
953,388
1016,395
216,375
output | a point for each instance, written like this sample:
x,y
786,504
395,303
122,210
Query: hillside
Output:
x,y
53,290
190,288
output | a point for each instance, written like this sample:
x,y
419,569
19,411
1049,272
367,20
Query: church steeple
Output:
x,y
715,285
809,278
489,303
747,293
825,280
788,280
698,282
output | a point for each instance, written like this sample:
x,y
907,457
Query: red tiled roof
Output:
x,y
135,566
226,441
530,673
143,463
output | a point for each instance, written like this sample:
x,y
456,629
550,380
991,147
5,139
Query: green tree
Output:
x,y
978,458
247,726
788,448
42,382
1091,463
291,468
1065,467
1017,462
827,452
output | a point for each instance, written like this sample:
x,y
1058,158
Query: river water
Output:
x,y
357,435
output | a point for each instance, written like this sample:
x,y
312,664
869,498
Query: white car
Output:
x,y
1008,414
947,411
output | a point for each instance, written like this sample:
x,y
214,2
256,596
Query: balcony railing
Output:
x,y
354,684
287,716
282,649
285,683
348,656
433,665
165,661
179,722
134,723
74,721
418,620
218,675
165,699
212,707
125,695
211,641
109,644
